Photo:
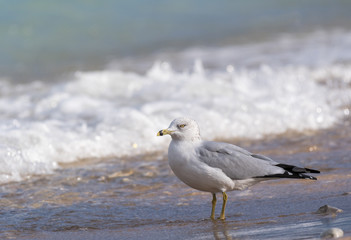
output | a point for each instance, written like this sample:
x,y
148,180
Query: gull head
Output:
x,y
184,129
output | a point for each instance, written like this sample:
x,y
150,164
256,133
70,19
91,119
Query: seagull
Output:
x,y
219,167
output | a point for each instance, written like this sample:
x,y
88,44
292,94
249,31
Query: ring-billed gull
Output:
x,y
218,167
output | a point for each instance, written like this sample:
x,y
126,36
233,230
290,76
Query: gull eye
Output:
x,y
181,125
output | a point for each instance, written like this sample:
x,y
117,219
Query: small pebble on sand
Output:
x,y
332,233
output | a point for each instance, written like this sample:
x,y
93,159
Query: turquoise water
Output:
x,y
86,85
45,39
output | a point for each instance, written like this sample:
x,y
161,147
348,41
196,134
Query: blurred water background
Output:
x,y
44,39
85,86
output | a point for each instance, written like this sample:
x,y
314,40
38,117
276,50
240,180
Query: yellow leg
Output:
x,y
225,198
214,201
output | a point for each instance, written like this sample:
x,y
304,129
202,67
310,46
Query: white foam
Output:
x,y
112,113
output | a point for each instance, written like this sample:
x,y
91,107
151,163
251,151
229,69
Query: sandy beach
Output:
x,y
85,86
144,199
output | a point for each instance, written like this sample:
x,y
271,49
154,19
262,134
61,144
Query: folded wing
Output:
x,y
238,163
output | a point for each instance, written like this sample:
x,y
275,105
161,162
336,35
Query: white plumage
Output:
x,y
219,167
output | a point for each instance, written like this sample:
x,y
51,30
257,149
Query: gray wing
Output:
x,y
237,163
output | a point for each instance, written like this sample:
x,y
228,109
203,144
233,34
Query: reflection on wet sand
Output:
x,y
221,230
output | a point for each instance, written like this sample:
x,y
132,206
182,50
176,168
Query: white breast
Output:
x,y
196,174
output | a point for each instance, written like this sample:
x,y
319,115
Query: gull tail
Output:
x,y
293,172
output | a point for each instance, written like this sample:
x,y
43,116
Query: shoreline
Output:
x,y
141,197
266,211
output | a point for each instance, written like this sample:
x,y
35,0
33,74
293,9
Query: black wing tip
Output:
x,y
287,174
312,170
294,169
309,177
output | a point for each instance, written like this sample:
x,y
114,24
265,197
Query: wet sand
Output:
x,y
139,197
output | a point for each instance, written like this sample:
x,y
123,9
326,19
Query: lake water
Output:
x,y
84,88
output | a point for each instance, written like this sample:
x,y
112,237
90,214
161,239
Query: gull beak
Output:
x,y
164,132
